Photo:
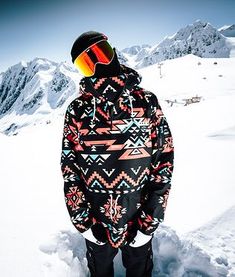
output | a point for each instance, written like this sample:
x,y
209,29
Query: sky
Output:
x,y
47,29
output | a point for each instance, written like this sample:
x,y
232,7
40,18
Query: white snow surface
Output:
x,y
228,30
199,38
197,236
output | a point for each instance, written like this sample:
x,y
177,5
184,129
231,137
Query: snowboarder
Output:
x,y
116,160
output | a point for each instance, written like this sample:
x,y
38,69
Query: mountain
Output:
x,y
38,91
135,53
31,90
228,30
136,49
34,88
26,84
199,38
121,57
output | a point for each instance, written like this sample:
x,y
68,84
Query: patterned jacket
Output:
x,y
117,158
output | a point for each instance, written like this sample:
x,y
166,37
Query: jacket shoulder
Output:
x,y
151,98
152,102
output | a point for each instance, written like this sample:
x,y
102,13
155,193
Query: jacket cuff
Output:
x,y
88,234
140,239
146,224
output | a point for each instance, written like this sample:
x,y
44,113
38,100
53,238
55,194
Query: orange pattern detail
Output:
x,y
122,175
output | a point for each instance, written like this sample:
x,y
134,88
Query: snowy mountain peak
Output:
x,y
41,86
199,38
227,30
38,86
134,50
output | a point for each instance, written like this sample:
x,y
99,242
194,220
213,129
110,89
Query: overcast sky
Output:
x,y
48,28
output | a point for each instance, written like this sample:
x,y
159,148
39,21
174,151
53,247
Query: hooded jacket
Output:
x,y
117,158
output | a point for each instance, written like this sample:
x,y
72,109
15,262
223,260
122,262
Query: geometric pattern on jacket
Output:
x,y
117,158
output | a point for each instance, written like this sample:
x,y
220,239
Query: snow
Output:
x,y
197,236
231,45
217,238
224,27
34,90
228,30
200,38
41,86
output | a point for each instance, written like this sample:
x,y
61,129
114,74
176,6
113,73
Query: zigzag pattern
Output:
x,y
96,177
95,158
99,83
120,126
119,81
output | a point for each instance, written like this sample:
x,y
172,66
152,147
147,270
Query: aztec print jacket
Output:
x,y
117,158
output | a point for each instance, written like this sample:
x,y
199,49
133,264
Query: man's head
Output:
x,y
93,55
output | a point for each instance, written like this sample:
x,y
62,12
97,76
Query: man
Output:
x,y
117,160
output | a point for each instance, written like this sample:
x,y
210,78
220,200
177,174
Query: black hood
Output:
x,y
107,91
110,88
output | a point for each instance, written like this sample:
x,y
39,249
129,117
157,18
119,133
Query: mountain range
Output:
x,y
42,86
199,38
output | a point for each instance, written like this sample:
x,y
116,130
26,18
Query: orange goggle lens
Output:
x,y
100,52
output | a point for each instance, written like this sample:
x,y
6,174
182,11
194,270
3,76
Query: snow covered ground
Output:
x,y
197,236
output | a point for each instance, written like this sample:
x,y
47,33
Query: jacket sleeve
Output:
x,y
76,203
158,187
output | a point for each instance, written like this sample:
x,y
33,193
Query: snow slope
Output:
x,y
228,30
199,38
29,91
231,45
37,237
217,238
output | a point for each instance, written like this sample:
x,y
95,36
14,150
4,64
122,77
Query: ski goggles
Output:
x,y
99,52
